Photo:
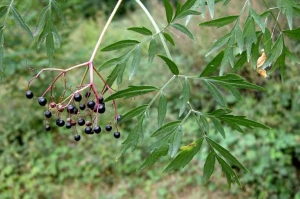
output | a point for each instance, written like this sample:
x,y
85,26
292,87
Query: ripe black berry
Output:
x,y
77,137
117,134
75,111
97,129
60,122
68,125
101,108
88,94
48,114
108,127
29,94
81,121
47,127
42,101
88,130
91,104
82,106
77,97
101,99
70,108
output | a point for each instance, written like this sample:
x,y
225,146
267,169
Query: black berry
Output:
x,y
117,134
29,94
48,114
77,137
81,121
88,94
91,104
75,111
77,97
82,106
42,101
108,127
101,108
70,108
101,99
60,122
97,129
118,117
88,130
47,127
68,125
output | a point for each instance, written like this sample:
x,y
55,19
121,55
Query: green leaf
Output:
x,y
120,44
162,109
257,19
119,60
240,62
122,67
3,10
45,32
141,30
136,112
291,56
152,51
183,29
172,66
184,157
239,38
220,22
293,34
209,167
249,35
135,61
211,7
56,36
188,4
50,48
169,38
58,11
218,126
166,129
267,41
133,138
131,91
274,53
255,52
175,142
20,21
229,172
154,156
219,43
113,76
215,93
225,153
185,96
233,80
204,123
187,13
213,65
41,21
169,11
228,56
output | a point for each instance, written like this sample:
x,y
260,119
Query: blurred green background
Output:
x,y
40,164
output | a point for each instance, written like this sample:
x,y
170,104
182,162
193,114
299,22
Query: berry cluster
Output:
x,y
80,112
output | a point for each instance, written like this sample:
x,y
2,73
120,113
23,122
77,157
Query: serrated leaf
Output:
x,y
41,21
187,13
220,22
172,66
162,110
240,62
235,93
218,112
267,41
218,126
136,112
209,167
152,51
274,53
20,21
184,157
169,38
242,121
154,156
229,172
225,153
215,93
257,19
213,65
185,96
204,123
228,56
183,29
293,34
219,43
175,142
133,138
249,35
50,48
135,61
169,11
3,10
131,91
141,30
122,67
120,44
58,11
166,129
239,38
119,60
211,7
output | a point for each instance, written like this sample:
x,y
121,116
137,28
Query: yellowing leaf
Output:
x,y
260,61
